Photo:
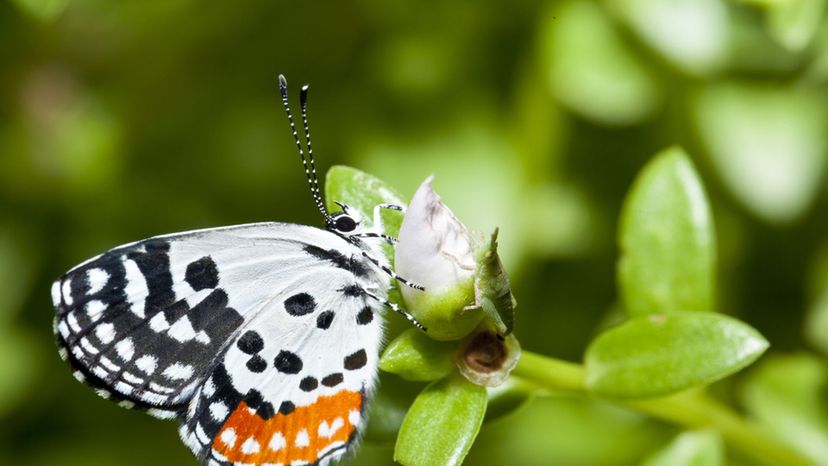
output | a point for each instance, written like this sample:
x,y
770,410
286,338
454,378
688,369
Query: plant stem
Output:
x,y
688,409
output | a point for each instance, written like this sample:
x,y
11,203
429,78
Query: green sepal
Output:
x,y
493,292
442,423
664,353
668,248
416,357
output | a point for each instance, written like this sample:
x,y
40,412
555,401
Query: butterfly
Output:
x,y
261,339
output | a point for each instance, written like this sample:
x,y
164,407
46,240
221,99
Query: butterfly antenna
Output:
x,y
303,103
314,187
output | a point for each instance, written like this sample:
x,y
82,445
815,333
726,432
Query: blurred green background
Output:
x,y
122,120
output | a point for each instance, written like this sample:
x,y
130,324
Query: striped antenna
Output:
x,y
303,103
312,183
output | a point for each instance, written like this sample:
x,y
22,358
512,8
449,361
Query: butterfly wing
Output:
x,y
146,323
290,391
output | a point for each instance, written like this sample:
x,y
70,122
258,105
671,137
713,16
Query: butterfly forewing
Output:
x,y
252,331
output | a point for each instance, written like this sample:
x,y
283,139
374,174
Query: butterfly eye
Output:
x,y
344,223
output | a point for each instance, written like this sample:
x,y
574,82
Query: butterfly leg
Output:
x,y
388,239
393,275
398,310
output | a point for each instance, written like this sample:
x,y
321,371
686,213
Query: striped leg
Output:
x,y
398,310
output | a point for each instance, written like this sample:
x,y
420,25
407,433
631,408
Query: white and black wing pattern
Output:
x,y
291,389
148,322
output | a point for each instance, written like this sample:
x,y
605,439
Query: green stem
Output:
x,y
689,409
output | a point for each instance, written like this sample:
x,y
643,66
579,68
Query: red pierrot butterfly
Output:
x,y
261,339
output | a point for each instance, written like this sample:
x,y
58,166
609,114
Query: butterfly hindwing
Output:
x,y
306,403
148,322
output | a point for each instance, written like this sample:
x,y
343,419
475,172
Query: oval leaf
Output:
x,y
664,353
768,144
668,247
442,424
417,357
592,70
691,34
698,448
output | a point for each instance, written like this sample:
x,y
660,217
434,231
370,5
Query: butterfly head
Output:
x,y
345,222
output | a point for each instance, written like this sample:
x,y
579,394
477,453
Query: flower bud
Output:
x,y
437,251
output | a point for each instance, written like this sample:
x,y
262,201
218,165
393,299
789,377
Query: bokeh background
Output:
x,y
122,120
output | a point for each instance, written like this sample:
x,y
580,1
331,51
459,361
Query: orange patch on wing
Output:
x,y
303,435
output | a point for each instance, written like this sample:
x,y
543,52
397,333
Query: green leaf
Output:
x,y
591,70
363,192
786,394
768,144
568,431
442,424
508,397
668,247
388,407
691,34
664,353
794,23
416,357
697,448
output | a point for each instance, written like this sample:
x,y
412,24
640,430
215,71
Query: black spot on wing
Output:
x,y
265,410
356,360
365,316
256,364
308,384
288,363
286,407
300,304
255,400
324,320
356,267
202,274
251,342
213,315
332,380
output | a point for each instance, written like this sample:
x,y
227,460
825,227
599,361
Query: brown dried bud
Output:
x,y
486,359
